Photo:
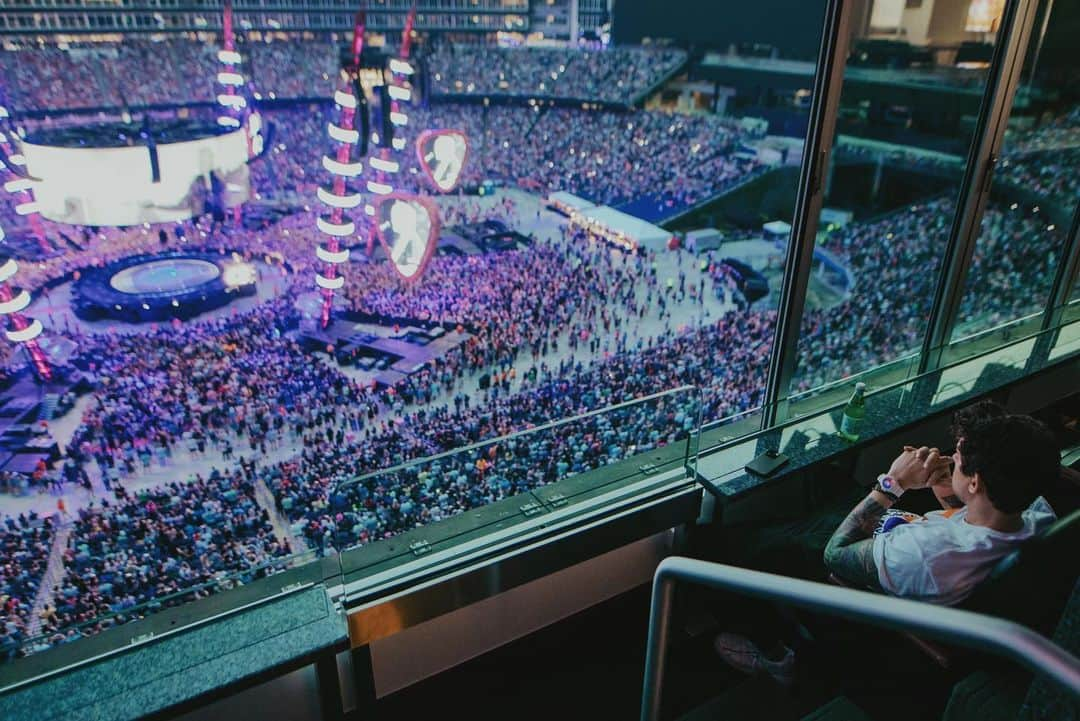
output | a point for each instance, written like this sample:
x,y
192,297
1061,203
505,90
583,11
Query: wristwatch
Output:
x,y
887,484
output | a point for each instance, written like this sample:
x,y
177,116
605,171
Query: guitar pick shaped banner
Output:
x,y
442,155
408,228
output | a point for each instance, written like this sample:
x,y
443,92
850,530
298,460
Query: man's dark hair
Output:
x,y
973,415
1016,457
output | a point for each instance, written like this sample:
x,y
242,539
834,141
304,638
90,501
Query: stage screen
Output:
x,y
114,186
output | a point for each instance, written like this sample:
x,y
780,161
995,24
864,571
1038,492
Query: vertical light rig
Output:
x,y
398,91
18,184
20,330
235,108
229,78
342,166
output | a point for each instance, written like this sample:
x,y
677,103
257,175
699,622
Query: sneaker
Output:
x,y
743,655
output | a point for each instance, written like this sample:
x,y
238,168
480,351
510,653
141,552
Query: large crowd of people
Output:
x,y
137,73
615,75
895,262
25,546
609,158
197,536
556,328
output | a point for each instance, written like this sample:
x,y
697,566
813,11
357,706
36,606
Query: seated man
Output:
x,y
991,503
999,469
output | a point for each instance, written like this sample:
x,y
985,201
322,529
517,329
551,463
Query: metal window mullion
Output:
x,y
821,131
1004,76
1065,277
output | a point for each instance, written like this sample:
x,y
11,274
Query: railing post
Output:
x,y
972,630
663,594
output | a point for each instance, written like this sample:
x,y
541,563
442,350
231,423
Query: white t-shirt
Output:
x,y
940,557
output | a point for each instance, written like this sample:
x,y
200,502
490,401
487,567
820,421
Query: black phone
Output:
x,y
767,463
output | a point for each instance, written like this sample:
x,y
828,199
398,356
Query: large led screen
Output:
x,y
115,186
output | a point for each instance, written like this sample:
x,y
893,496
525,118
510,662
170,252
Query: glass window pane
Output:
x,y
751,87
534,279
1033,196
914,82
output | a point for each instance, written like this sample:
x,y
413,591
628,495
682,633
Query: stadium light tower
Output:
x,y
18,184
20,330
345,163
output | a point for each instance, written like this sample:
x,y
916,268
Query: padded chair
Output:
x,y
1030,586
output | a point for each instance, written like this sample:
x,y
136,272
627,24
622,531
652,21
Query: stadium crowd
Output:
x,y
185,536
25,545
615,75
607,157
243,386
883,317
137,73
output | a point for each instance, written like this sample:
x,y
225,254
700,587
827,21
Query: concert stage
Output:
x,y
160,287
387,354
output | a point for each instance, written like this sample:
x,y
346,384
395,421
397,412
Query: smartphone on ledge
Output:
x,y
767,463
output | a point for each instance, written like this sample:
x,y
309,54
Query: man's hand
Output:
x,y
938,466
915,467
940,479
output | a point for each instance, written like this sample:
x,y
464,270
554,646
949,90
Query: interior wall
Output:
x,y
292,697
887,14
451,639
916,19
949,21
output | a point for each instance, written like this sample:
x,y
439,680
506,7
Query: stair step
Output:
x,y
48,407
840,708
756,699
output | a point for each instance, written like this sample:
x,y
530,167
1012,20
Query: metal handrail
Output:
x,y
965,628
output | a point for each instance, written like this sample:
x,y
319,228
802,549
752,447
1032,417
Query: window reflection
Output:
x,y
914,82
1033,196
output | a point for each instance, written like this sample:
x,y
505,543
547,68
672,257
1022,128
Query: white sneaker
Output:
x,y
743,655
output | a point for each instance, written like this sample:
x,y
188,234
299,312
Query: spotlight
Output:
x,y
238,274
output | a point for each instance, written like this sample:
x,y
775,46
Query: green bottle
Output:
x,y
854,411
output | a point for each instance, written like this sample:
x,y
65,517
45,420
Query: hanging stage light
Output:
x,y
18,185
13,301
235,107
343,165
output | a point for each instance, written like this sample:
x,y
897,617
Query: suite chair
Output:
x,y
1030,586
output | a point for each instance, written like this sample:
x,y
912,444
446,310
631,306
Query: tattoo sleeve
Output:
x,y
849,553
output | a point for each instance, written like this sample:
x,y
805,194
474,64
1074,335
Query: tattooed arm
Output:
x,y
850,552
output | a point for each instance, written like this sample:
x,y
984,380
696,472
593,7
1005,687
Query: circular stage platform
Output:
x,y
160,287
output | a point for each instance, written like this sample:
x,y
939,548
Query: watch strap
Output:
x,y
887,485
